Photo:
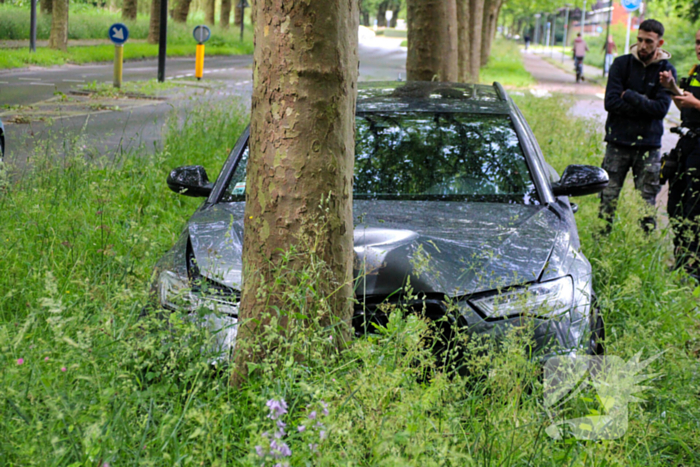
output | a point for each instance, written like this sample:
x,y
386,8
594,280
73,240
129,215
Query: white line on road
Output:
x,y
42,84
73,80
29,79
4,82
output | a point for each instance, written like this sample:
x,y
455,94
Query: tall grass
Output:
x,y
83,381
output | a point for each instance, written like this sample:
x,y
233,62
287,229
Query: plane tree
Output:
x,y
300,168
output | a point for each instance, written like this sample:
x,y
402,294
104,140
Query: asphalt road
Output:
x,y
229,76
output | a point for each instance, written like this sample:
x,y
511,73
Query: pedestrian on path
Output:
x,y
527,41
636,104
579,51
610,51
684,185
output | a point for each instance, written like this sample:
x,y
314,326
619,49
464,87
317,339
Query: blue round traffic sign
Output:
x,y
118,33
201,33
631,5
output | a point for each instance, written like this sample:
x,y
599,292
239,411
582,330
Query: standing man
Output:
x,y
636,104
579,51
610,48
684,187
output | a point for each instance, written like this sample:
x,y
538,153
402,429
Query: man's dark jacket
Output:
x,y
636,119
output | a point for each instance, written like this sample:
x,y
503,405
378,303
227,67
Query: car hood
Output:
x,y
452,248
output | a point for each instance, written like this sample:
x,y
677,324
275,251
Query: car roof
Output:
x,y
431,96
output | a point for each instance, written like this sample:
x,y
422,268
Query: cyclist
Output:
x,y
579,50
636,104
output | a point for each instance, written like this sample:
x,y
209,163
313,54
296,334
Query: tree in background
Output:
x,y
58,37
154,23
302,140
237,15
464,70
46,6
129,9
492,11
225,18
209,11
432,40
181,11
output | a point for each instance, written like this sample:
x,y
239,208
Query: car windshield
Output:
x,y
431,156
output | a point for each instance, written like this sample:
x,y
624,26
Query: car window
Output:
x,y
440,156
430,156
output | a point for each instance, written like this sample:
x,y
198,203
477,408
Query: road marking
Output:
x,y
4,82
29,79
42,84
73,80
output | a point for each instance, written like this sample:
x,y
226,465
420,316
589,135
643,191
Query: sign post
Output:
x,y
162,40
243,4
630,6
32,27
201,34
118,34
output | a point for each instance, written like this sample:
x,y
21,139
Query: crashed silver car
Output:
x,y
448,176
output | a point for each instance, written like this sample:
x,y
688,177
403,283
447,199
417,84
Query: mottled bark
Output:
x,y
58,37
225,19
210,12
476,22
302,152
182,9
432,37
237,15
464,72
154,23
46,6
129,9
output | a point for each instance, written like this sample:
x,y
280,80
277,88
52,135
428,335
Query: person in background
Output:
x,y
579,51
636,104
684,182
610,49
527,41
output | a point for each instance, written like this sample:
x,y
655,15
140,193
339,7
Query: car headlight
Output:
x,y
547,300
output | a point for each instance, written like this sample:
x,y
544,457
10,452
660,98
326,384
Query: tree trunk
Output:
x,y
182,9
225,18
210,12
365,18
301,153
476,22
432,37
154,23
464,72
381,14
237,16
491,10
129,9
46,6
58,38
395,9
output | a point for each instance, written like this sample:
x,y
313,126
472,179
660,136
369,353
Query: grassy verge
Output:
x,y
93,24
505,66
84,382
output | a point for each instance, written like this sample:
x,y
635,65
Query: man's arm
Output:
x,y
656,108
614,90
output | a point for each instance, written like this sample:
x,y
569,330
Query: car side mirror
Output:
x,y
581,180
190,180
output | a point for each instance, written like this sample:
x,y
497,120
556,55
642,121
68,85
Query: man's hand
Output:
x,y
687,101
666,79
623,94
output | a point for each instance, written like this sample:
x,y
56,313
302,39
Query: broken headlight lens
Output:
x,y
545,300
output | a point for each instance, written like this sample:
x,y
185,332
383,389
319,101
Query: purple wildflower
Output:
x,y
301,428
20,361
313,447
279,449
312,415
325,408
277,408
260,451
64,369
322,434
